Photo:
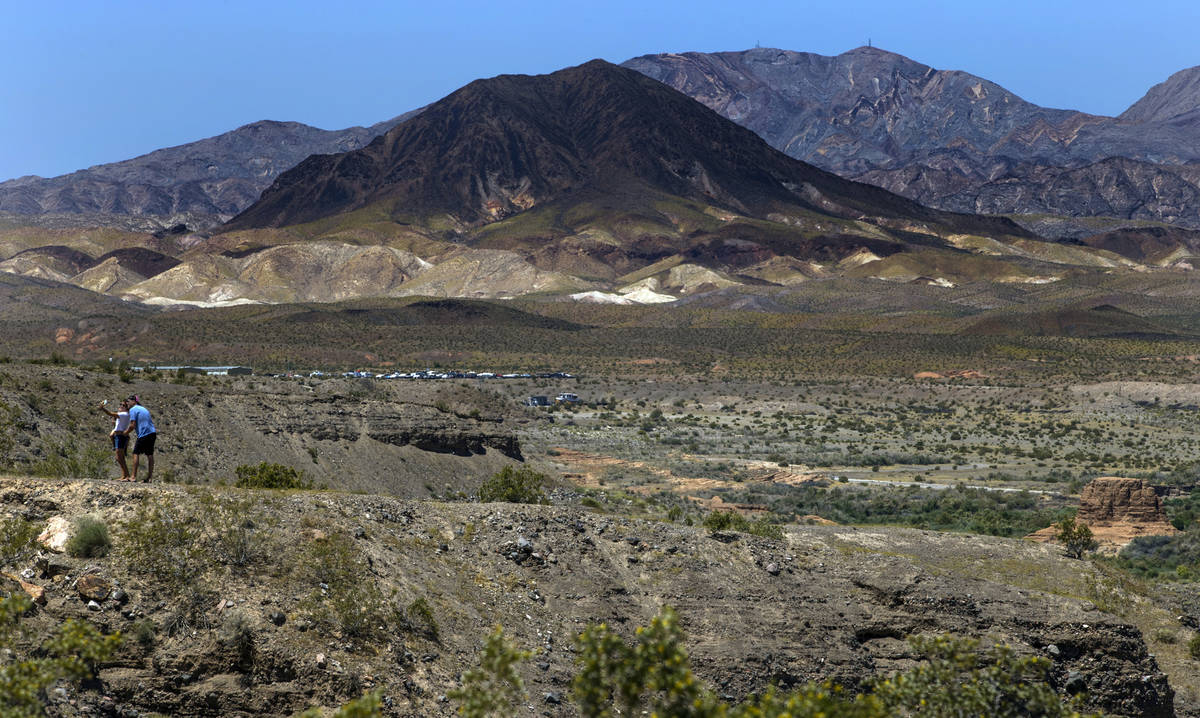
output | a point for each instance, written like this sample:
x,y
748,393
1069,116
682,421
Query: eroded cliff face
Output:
x,y
1113,498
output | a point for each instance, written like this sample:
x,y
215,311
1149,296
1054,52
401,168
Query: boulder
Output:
x,y
35,592
56,535
93,588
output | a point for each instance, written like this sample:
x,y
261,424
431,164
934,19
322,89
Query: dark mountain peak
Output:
x,y
501,146
1178,95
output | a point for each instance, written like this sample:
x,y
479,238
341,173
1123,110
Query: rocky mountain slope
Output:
x,y
950,139
200,183
599,184
1176,100
504,145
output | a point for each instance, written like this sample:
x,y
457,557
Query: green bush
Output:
x,y
495,687
368,705
420,618
515,486
1194,647
90,539
1075,537
234,530
71,654
733,521
270,476
17,540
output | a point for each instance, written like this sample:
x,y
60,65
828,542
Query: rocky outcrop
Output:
x,y
1117,510
1112,498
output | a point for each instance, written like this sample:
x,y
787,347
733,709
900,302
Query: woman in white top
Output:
x,y
119,439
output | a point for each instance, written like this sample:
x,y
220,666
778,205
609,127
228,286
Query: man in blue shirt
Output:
x,y
140,422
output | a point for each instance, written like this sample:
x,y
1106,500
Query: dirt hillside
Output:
x,y
329,594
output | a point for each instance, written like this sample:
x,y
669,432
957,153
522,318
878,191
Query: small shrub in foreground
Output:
x,y
90,539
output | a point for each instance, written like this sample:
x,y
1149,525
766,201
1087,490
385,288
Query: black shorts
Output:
x,y
120,441
145,444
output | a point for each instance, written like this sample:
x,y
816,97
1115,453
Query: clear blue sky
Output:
x,y
84,83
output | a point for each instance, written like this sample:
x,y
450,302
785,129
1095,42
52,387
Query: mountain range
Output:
x,y
200,183
956,141
595,183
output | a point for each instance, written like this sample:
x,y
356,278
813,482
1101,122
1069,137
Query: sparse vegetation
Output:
x,y
346,597
733,521
17,540
957,677
494,687
270,476
71,654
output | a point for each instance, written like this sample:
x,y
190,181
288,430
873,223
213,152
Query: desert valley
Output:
x,y
866,388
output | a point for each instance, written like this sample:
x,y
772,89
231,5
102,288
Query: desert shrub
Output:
x,y
234,530
1075,537
419,616
347,598
1194,647
237,633
368,705
189,609
68,461
90,539
495,687
733,521
144,633
270,476
516,486
163,542
71,654
18,540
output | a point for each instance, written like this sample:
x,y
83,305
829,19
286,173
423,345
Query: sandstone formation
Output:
x,y
1111,499
1117,510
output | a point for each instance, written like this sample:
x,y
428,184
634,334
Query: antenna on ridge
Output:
x,y
868,42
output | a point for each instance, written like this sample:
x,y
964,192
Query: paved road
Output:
x,y
943,487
